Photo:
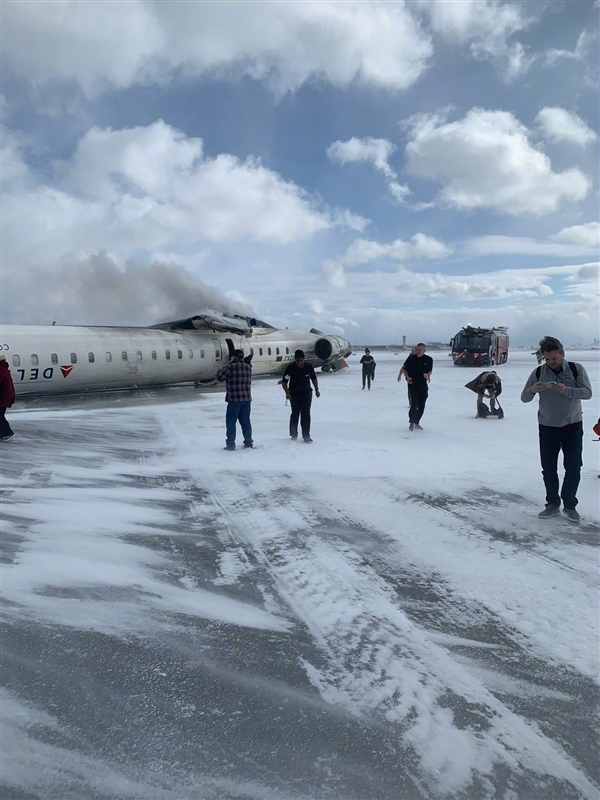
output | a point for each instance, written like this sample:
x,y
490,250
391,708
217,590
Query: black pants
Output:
x,y
5,429
300,403
417,396
367,376
569,439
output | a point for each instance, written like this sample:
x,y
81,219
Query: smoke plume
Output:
x,y
98,291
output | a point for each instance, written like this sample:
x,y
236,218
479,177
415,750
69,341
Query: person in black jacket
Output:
x,y
417,370
368,368
296,382
487,385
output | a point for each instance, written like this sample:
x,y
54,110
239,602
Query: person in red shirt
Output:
x,y
7,398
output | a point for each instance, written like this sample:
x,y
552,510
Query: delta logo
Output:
x,y
66,370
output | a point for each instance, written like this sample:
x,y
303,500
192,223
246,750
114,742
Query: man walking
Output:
x,y
561,386
7,398
238,377
417,369
296,385
368,369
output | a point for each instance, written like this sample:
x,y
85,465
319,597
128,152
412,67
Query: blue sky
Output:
x,y
374,169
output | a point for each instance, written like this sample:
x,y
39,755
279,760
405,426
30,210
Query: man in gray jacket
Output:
x,y
561,386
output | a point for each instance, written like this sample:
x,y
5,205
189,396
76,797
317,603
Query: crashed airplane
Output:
x,y
57,359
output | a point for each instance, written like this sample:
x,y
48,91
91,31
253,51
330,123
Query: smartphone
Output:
x,y
550,383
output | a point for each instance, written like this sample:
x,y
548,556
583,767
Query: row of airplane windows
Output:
x,y
137,356
16,359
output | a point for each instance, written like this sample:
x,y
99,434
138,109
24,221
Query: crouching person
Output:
x,y
488,386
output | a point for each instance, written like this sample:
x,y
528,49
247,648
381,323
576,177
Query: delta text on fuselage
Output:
x,y
55,359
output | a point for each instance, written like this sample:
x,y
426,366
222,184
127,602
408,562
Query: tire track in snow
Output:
x,y
381,665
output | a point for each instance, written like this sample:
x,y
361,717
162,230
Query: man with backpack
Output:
x,y
561,386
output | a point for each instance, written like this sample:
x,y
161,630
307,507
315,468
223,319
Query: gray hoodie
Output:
x,y
557,410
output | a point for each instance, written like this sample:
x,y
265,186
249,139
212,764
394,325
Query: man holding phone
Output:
x,y
561,386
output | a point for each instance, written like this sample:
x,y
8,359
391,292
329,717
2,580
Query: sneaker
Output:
x,y
549,511
294,438
229,447
307,439
418,427
411,427
249,445
6,438
572,514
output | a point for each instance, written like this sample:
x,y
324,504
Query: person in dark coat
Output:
x,y
417,370
489,386
368,368
238,377
296,384
7,398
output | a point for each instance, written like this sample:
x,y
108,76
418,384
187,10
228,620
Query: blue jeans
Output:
x,y
241,412
569,439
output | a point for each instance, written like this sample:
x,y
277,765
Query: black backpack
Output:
x,y
571,366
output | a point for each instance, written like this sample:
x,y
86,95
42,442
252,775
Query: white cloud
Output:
x,y
587,235
486,160
585,43
405,287
375,151
151,188
560,125
365,251
578,240
317,306
284,44
485,26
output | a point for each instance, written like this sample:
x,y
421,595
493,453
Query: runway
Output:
x,y
377,616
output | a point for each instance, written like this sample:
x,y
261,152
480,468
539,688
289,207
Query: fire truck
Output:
x,y
480,347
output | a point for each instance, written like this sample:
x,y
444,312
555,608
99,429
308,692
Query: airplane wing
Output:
x,y
209,322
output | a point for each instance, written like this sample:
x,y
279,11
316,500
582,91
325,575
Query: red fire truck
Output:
x,y
480,347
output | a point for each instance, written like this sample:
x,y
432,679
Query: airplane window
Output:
x,y
16,361
108,357
191,352
91,358
124,355
201,353
277,350
260,351
34,359
269,350
54,358
167,354
73,358
138,355
179,354
154,355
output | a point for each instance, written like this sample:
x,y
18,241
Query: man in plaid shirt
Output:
x,y
238,377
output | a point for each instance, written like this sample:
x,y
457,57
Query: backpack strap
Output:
x,y
571,366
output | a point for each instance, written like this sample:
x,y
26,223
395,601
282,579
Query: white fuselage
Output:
x,y
58,359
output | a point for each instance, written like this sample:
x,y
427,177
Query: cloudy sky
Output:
x,y
376,169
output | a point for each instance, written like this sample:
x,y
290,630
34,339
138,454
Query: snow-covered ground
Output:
x,y
379,615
